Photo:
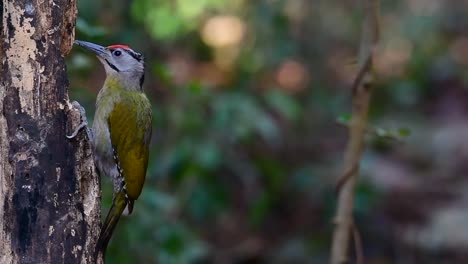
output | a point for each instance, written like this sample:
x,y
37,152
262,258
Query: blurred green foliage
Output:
x,y
246,148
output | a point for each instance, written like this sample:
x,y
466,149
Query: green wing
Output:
x,y
130,131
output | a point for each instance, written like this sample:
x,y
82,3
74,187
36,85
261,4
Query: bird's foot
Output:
x,y
84,123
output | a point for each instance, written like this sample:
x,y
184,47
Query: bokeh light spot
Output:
x,y
394,57
223,30
292,76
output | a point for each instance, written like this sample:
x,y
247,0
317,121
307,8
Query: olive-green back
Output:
x,y
130,131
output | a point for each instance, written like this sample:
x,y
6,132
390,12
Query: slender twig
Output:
x,y
361,94
346,175
358,245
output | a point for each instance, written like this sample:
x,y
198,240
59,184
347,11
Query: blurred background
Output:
x,y
250,103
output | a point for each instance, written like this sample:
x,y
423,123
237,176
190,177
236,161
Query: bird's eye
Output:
x,y
117,53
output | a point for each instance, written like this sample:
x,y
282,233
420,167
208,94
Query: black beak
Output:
x,y
97,49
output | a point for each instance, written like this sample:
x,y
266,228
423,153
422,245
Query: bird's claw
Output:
x,y
83,124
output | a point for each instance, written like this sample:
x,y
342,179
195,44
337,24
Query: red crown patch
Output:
x,y
117,46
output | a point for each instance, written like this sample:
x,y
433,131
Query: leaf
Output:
x,y
404,132
284,104
344,118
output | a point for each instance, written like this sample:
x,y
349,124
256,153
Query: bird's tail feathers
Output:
x,y
118,206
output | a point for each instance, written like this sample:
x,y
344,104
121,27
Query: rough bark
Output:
x,y
49,191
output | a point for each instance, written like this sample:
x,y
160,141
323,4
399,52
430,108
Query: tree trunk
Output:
x,y
49,191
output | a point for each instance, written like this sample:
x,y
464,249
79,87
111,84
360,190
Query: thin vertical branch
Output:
x,y
361,94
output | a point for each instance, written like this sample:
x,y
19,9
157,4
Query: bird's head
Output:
x,y
118,60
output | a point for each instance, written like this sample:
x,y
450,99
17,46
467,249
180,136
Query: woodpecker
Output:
x,y
121,129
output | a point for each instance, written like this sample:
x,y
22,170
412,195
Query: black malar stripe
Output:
x,y
112,66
